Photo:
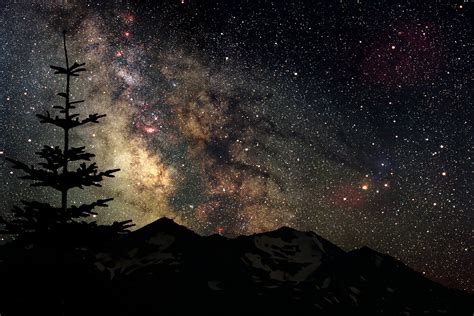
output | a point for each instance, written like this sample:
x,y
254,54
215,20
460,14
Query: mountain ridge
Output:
x,y
331,280
165,268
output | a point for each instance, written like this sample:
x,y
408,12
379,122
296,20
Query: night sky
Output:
x,y
353,120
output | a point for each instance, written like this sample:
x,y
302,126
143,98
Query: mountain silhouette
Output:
x,y
166,269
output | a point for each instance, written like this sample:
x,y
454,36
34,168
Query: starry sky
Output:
x,y
350,119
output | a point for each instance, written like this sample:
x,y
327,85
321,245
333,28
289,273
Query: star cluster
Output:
x,y
234,117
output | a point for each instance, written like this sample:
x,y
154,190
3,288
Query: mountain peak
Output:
x,y
161,226
163,223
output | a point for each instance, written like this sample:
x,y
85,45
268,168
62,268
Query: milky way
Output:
x,y
350,120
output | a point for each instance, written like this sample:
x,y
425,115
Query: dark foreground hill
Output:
x,y
166,269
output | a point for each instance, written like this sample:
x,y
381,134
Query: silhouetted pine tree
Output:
x,y
55,172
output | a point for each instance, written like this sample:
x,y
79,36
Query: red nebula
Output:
x,y
220,230
145,128
119,53
149,129
126,34
404,56
347,196
128,17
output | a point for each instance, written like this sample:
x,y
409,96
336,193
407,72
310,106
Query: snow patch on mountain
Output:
x,y
286,259
137,258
